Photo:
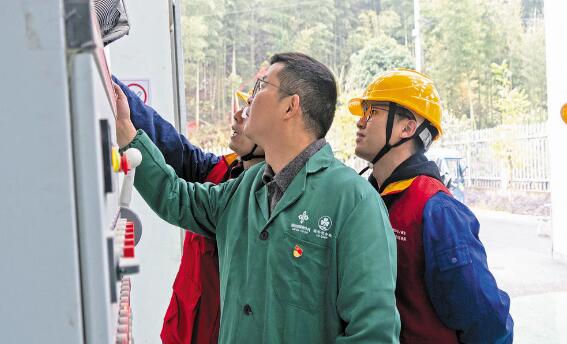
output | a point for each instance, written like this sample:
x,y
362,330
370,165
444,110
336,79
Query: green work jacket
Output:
x,y
321,268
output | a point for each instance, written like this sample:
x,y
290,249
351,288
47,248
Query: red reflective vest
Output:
x,y
420,323
193,315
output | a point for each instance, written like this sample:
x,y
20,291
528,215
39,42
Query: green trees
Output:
x,y
375,48
465,40
487,56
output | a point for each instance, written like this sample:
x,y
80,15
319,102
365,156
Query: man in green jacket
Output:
x,y
306,251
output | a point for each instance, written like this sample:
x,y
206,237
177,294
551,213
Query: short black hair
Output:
x,y
315,85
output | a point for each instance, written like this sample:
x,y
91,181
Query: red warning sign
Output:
x,y
141,88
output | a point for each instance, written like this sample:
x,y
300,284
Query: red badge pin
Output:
x,y
298,251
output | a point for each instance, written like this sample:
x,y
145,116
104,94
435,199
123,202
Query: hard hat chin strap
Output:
x,y
420,131
251,155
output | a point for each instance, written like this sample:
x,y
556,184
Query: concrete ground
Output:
x,y
520,258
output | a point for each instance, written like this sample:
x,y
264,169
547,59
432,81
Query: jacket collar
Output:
x,y
318,162
415,165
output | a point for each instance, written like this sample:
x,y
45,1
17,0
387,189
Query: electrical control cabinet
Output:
x,y
67,234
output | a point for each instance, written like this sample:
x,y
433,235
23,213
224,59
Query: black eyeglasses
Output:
x,y
259,85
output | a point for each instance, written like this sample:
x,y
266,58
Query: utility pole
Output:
x,y
417,35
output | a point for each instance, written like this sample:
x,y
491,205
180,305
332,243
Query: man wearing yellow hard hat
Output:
x,y
193,314
445,292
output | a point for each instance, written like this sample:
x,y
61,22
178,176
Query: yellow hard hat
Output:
x,y
564,113
243,96
407,88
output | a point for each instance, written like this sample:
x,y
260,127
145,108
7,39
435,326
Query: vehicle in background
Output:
x,y
452,168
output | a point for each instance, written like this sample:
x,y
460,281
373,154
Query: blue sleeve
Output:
x,y
461,288
188,161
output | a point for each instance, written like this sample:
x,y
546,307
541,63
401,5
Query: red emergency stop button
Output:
x,y
124,165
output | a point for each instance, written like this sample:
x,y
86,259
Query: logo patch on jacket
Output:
x,y
321,231
325,223
303,217
300,227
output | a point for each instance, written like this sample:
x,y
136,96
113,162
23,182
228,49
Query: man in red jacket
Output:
x,y
445,292
193,315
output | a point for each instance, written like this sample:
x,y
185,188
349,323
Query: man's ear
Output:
x,y
409,128
294,107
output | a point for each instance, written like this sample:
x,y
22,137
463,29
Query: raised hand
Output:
x,y
125,130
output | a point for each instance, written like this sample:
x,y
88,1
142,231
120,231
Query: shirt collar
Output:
x,y
286,175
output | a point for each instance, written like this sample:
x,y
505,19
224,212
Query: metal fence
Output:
x,y
505,157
